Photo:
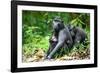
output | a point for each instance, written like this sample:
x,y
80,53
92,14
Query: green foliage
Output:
x,y
37,28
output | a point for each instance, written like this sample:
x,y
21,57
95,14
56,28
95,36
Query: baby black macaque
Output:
x,y
52,43
63,36
78,34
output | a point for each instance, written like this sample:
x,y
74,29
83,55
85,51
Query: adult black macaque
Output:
x,y
63,36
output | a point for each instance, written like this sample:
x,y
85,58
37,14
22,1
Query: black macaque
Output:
x,y
63,37
52,43
57,25
78,34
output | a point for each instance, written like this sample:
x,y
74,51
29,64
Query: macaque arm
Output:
x,y
59,45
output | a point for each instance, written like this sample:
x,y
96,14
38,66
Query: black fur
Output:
x,y
63,37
